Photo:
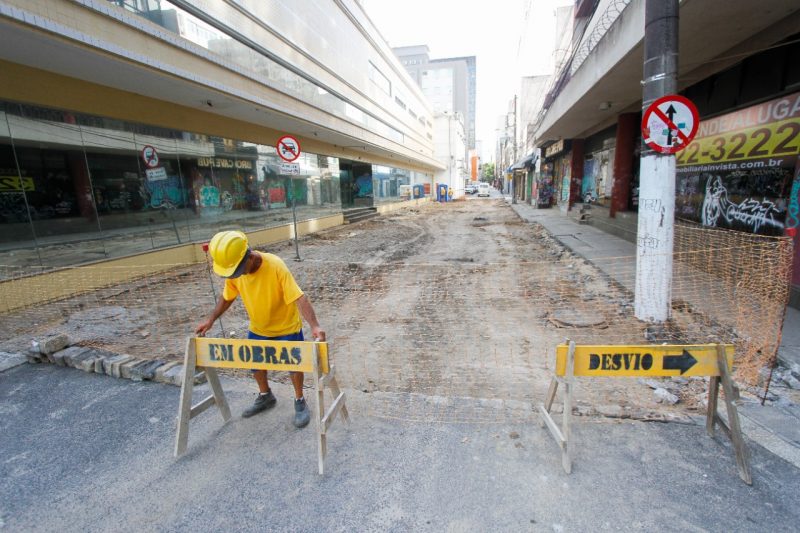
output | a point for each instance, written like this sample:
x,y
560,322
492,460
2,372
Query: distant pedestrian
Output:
x,y
274,304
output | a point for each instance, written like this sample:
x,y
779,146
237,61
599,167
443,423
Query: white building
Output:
x,y
450,149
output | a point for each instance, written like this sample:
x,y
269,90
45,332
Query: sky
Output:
x,y
489,30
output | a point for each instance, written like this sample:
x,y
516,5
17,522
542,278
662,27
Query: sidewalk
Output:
x,y
777,427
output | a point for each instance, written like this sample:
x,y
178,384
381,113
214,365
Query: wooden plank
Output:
x,y
739,445
330,415
722,425
185,403
202,406
566,460
334,386
551,393
321,444
713,395
325,380
219,394
551,425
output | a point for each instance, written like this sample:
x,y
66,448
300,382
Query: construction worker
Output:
x,y
274,304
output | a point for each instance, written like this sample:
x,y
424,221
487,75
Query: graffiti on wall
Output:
x,y
752,201
793,212
565,180
166,193
589,182
209,196
751,213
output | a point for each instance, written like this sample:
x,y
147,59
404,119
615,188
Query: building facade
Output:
x,y
741,172
133,125
448,83
450,147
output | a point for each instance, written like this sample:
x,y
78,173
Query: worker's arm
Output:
x,y
304,305
219,309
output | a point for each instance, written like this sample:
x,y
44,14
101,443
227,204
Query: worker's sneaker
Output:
x,y
262,403
301,414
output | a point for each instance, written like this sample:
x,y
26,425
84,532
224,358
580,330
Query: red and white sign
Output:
x,y
150,156
670,124
288,148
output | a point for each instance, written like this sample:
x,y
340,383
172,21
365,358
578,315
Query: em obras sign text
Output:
x,y
260,355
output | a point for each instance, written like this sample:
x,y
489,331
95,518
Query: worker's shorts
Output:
x,y
290,337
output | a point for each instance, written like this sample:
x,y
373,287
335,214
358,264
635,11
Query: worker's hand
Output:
x,y
318,333
203,328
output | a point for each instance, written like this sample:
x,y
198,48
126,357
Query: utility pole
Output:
x,y
657,171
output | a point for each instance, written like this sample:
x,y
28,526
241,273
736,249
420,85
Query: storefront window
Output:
x,y
16,227
387,183
56,190
77,188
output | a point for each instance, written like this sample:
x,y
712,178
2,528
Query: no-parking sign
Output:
x,y
288,148
670,124
150,156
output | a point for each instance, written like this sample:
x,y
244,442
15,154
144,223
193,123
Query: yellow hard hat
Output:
x,y
227,249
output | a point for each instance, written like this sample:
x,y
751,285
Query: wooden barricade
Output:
x,y
208,354
713,360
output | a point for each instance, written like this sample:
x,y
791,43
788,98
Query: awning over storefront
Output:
x,y
526,162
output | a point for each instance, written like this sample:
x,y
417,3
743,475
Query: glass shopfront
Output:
x,y
77,188
386,183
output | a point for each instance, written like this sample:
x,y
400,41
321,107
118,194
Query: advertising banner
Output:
x,y
738,172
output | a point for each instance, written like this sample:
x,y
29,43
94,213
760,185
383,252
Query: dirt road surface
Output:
x,y
447,312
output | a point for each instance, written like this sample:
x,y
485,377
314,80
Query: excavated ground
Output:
x,y
444,312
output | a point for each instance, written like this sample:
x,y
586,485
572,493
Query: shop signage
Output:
x,y
290,168
150,156
647,360
769,131
669,124
554,149
221,162
739,170
156,174
288,148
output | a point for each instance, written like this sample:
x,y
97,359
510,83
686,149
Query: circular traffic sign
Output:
x,y
288,148
669,124
150,156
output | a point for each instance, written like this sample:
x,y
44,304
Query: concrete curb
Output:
x,y
11,360
94,360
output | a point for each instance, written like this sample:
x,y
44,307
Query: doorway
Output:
x,y
355,180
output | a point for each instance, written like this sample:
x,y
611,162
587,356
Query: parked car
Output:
x,y
483,189
471,188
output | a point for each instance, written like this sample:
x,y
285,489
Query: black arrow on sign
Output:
x,y
682,362
670,113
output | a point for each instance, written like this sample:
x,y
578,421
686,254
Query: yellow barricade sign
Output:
x,y
208,354
712,360
643,360
250,354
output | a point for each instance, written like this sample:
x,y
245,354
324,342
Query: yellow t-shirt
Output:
x,y
269,295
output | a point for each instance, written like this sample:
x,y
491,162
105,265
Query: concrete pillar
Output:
x,y
576,165
627,128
